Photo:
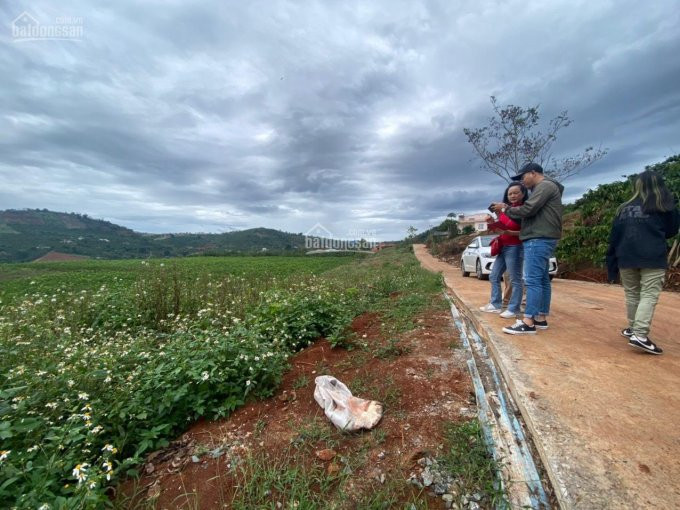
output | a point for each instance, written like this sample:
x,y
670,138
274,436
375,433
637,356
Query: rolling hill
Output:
x,y
27,235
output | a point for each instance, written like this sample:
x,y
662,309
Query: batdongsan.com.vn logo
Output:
x,y
320,238
26,27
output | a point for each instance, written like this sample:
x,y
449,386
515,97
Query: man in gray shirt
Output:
x,y
541,217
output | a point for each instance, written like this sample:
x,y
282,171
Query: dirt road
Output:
x,y
604,417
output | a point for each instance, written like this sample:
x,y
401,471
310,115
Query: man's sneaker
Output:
x,y
490,309
508,314
627,332
541,324
645,344
519,328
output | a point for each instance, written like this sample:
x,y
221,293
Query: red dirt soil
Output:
x,y
424,386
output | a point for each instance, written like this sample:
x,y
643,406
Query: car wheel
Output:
x,y
480,274
462,269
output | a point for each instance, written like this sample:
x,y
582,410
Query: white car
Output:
x,y
477,259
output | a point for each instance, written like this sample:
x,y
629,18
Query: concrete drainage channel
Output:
x,y
498,417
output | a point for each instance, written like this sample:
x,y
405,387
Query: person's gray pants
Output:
x,y
642,288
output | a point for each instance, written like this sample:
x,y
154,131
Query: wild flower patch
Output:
x,y
94,379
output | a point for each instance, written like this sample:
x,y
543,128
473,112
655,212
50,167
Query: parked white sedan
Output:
x,y
477,259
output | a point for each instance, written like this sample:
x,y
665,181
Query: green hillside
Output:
x,y
445,230
26,235
585,242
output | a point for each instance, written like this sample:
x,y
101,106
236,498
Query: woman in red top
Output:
x,y
510,257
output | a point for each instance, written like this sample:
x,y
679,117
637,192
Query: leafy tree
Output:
x,y
450,225
468,229
513,138
411,232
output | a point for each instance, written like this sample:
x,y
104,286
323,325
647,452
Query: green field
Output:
x,y
28,278
102,362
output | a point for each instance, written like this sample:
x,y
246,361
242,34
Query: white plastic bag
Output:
x,y
345,411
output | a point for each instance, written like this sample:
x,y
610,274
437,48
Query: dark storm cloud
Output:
x,y
170,116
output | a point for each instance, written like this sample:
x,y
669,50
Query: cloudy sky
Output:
x,y
170,116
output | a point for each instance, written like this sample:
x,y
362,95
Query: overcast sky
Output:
x,y
174,116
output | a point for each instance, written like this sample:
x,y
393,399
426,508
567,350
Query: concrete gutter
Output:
x,y
502,430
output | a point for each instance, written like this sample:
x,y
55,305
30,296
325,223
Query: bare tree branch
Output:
x,y
512,138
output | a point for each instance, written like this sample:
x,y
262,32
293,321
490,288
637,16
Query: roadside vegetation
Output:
x,y
586,235
94,378
104,362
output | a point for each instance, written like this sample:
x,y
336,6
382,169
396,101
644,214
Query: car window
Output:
x,y
486,241
473,244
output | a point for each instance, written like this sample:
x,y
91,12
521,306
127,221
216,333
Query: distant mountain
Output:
x,y
27,235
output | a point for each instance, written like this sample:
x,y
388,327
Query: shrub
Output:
x,y
587,242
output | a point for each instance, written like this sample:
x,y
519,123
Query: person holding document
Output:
x,y
541,216
509,257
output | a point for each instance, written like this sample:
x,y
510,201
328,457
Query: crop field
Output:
x,y
104,361
45,277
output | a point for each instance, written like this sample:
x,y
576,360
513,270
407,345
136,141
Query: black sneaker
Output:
x,y
519,328
541,324
645,344
627,332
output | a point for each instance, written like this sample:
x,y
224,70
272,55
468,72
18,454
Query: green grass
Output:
x,y
384,390
397,273
290,480
378,436
317,433
260,425
390,349
360,385
301,382
467,458
394,493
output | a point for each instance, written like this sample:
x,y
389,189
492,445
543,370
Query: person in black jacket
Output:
x,y
638,251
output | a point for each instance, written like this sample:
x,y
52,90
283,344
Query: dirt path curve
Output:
x,y
604,417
